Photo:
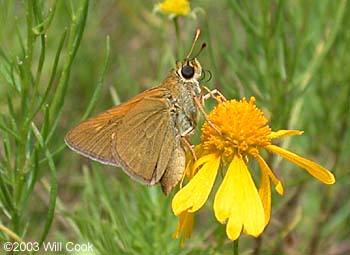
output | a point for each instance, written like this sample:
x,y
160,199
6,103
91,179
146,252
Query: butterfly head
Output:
x,y
189,70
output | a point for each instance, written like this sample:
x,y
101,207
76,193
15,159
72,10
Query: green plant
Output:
x,y
35,89
291,55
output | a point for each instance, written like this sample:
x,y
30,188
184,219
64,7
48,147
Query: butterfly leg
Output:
x,y
201,109
189,146
216,94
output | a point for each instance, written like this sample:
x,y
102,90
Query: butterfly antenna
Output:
x,y
204,45
196,36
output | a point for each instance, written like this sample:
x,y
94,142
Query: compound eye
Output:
x,y
187,71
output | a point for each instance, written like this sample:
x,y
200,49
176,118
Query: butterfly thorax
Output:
x,y
184,110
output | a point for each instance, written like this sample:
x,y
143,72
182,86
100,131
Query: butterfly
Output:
x,y
146,136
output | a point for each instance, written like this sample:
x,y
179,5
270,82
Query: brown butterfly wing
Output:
x,y
93,137
175,169
146,139
137,135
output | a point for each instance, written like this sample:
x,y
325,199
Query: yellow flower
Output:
x,y
241,132
186,219
177,7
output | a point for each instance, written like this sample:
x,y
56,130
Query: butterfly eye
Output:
x,y
187,71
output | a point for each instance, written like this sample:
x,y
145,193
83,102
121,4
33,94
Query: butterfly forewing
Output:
x,y
92,138
137,135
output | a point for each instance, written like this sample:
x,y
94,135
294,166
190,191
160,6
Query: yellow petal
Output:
x,y
190,171
265,195
234,228
179,7
265,168
224,197
311,167
184,226
202,160
284,133
238,199
192,197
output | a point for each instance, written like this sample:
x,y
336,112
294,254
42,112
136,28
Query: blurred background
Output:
x,y
62,61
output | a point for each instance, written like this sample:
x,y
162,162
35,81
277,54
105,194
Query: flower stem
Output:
x,y
179,50
235,247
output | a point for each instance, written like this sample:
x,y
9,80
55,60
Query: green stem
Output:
x,y
179,51
235,247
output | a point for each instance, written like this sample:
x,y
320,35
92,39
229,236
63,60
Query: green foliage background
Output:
x,y
61,61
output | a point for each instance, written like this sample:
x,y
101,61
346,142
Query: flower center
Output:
x,y
243,128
